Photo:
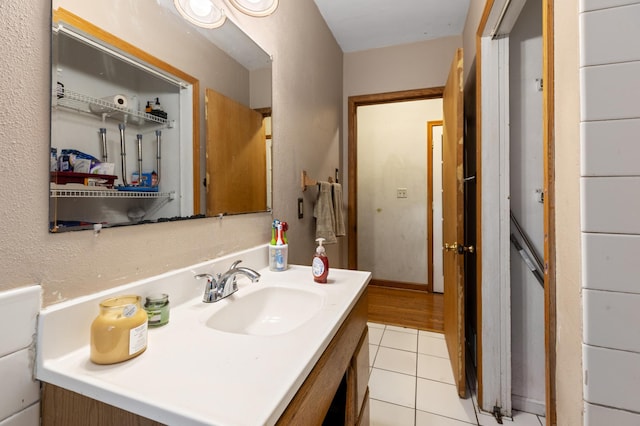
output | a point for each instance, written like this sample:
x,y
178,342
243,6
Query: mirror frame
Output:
x,y
62,15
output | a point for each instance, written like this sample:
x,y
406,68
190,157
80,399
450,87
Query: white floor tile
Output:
x,y
488,420
375,325
428,419
519,419
402,329
385,414
375,335
431,334
399,340
441,398
392,387
432,346
435,368
396,360
525,419
373,351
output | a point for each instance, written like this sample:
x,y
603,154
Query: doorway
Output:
x,y
395,222
415,307
452,159
355,102
515,118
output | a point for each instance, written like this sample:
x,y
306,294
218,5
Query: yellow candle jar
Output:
x,y
119,332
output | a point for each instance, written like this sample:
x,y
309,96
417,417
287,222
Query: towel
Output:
x,y
337,210
325,217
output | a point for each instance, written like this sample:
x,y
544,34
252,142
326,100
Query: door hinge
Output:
x,y
497,413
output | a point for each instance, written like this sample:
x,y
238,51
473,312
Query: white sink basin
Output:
x,y
266,312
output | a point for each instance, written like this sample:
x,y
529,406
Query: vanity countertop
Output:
x,y
191,374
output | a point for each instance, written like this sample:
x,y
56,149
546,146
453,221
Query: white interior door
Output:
x,y
438,275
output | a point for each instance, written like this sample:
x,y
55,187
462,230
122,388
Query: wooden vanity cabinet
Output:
x,y
359,371
346,360
346,357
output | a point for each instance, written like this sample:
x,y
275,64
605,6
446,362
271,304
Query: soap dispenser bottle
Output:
x,y
320,264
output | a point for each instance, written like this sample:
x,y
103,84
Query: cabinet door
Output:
x,y
358,381
364,414
361,368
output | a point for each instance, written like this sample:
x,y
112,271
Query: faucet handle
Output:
x,y
210,281
209,293
234,282
209,277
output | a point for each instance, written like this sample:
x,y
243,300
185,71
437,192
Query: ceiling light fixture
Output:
x,y
202,13
257,8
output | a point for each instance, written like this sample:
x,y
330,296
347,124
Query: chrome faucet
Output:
x,y
217,288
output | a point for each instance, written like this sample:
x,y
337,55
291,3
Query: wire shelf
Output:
x,y
101,107
107,193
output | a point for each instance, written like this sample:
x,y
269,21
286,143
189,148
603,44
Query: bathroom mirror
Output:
x,y
143,54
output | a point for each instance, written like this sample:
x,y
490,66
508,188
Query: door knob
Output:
x,y
459,248
468,249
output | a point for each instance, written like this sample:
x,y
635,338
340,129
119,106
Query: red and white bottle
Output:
x,y
320,264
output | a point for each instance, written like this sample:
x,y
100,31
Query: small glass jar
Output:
x,y
157,307
119,332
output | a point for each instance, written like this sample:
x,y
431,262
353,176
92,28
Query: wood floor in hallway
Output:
x,y
406,308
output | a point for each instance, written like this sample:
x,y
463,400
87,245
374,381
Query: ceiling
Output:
x,y
369,24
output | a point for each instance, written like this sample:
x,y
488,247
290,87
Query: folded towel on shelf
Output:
x,y
324,214
337,210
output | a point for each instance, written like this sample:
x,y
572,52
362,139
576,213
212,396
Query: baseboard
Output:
x,y
528,405
399,285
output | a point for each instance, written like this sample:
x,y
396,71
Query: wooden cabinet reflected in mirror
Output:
x,y
126,124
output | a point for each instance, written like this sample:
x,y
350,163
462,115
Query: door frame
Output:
x,y
488,59
353,103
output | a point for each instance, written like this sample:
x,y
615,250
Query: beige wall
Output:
x,y
476,7
408,66
307,114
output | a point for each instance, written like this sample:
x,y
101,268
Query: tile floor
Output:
x,y
411,383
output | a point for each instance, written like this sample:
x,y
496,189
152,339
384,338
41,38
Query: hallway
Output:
x,y
411,383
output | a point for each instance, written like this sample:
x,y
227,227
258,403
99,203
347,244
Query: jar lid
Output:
x,y
120,301
157,298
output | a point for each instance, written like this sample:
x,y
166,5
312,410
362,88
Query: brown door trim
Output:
x,y
548,113
353,103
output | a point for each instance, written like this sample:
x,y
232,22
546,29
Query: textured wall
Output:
x,y
307,118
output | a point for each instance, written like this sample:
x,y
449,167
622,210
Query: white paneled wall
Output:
x,y
20,394
610,209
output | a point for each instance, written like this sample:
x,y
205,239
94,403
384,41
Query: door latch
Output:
x,y
451,247
459,248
